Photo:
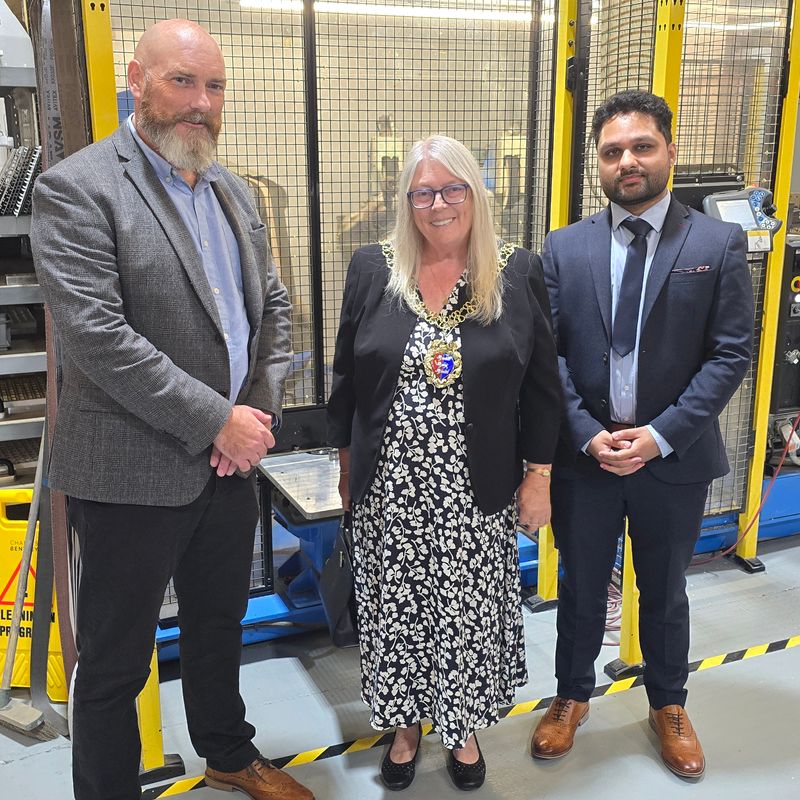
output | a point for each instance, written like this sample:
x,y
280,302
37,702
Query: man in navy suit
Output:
x,y
653,314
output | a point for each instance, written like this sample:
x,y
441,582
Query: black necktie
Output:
x,y
623,335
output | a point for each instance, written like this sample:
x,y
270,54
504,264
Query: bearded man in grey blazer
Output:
x,y
175,338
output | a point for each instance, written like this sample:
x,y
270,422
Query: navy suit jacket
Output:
x,y
512,402
695,344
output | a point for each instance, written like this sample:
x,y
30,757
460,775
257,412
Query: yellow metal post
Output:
x,y
666,83
99,46
148,705
156,765
668,53
746,549
562,116
547,570
630,651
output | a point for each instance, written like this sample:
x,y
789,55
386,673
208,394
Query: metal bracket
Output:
x,y
536,603
748,565
618,669
572,74
173,767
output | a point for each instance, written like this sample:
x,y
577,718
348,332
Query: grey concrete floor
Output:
x,y
303,694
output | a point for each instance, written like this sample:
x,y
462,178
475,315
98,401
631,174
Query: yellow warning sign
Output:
x,y
8,593
12,538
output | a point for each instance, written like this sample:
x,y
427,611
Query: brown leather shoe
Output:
x,y
680,747
555,733
260,781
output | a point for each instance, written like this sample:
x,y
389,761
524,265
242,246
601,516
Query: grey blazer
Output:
x,y
144,364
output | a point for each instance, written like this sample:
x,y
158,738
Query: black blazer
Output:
x,y
694,349
512,399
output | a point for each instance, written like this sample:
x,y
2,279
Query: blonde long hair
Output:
x,y
483,278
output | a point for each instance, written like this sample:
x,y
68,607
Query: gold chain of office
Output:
x,y
441,320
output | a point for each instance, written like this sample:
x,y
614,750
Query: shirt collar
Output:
x,y
655,215
163,168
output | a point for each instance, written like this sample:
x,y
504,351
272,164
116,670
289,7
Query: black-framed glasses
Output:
x,y
452,194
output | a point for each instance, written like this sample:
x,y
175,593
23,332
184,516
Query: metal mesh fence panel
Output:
x,y
263,133
390,76
728,122
386,76
619,35
262,140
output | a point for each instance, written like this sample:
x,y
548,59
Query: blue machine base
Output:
x,y
268,617
296,607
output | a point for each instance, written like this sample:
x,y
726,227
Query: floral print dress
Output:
x,y
436,579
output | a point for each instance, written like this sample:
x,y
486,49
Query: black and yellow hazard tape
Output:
x,y
381,739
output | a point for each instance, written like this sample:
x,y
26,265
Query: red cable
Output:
x,y
757,514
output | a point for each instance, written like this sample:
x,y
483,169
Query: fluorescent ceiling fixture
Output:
x,y
734,26
389,11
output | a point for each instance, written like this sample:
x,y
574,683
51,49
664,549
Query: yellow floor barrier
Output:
x,y
630,661
14,506
156,764
546,596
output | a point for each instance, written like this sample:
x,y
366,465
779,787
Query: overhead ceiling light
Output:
x,y
391,11
733,26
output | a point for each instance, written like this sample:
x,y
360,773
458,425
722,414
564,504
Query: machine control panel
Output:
x,y
752,209
786,377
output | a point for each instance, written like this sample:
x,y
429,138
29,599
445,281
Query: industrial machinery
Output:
x,y
752,209
374,218
785,404
22,357
507,165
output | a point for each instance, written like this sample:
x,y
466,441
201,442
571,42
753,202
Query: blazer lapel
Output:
x,y
251,270
673,235
143,176
598,243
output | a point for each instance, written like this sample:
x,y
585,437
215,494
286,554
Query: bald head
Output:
x,y
177,79
163,39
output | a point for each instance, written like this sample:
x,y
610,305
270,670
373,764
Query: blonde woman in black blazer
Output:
x,y
445,385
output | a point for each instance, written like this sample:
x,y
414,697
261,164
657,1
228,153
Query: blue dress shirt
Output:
x,y
216,244
624,369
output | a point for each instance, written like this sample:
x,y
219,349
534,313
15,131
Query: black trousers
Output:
x,y
128,555
664,524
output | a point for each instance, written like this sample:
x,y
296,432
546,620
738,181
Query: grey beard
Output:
x,y
196,155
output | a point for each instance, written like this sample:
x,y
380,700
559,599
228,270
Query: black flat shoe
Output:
x,y
399,776
467,776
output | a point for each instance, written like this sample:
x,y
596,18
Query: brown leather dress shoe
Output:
x,y
260,781
555,733
680,747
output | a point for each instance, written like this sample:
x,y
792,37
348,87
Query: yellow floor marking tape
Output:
x,y
368,742
523,708
621,686
307,757
708,663
185,785
364,744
